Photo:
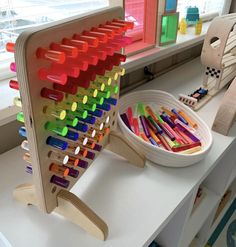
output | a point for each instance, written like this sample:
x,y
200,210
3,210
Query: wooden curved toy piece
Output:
x,y
121,146
227,111
75,210
69,206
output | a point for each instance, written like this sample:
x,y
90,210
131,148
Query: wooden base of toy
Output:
x,y
70,206
226,114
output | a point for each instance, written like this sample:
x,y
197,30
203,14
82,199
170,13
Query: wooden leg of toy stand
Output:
x,y
119,145
69,206
25,193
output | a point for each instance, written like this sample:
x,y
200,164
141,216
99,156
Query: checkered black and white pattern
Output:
x,y
212,72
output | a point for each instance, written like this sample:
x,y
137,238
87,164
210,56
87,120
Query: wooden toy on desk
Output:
x,y
198,27
226,113
218,56
183,26
68,75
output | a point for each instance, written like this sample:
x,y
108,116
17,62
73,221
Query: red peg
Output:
x,y
70,51
14,84
75,81
117,30
100,53
54,56
68,88
110,33
129,24
102,37
117,46
117,24
82,46
82,65
91,59
121,57
108,49
10,47
67,69
52,94
92,41
49,75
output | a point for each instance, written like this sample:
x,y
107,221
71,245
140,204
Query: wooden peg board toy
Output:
x,y
218,57
68,75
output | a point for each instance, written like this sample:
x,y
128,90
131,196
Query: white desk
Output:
x,y
135,203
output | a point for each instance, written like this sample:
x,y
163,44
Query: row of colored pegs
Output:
x,y
79,74
61,166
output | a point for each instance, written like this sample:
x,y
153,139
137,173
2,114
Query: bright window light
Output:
x,y
18,15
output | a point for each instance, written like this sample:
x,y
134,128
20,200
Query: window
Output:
x,y
18,15
206,7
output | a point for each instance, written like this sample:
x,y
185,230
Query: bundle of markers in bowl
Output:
x,y
169,129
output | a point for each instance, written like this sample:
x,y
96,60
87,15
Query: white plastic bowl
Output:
x,y
155,154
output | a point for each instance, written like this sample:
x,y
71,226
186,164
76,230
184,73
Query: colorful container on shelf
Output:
x,y
163,129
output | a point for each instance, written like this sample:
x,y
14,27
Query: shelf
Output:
x,y
222,213
199,216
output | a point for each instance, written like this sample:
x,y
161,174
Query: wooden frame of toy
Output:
x,y
68,75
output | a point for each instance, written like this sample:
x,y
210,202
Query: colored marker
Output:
x,y
129,113
125,119
136,126
152,141
141,109
144,125
154,137
153,122
164,142
144,137
188,119
179,116
185,147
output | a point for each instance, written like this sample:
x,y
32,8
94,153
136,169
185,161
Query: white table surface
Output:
x,y
135,203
